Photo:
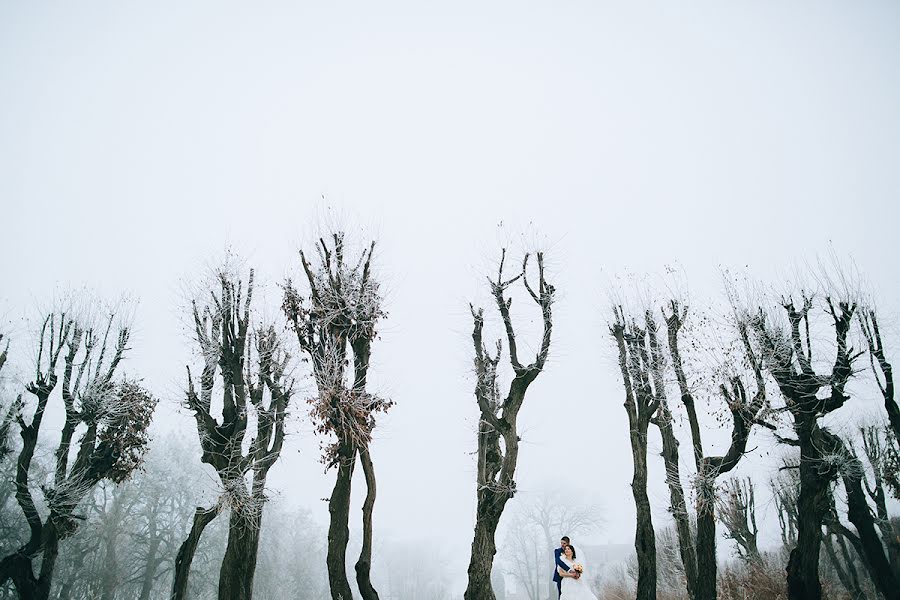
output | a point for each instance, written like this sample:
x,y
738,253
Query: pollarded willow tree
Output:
x,y
881,367
255,387
498,438
745,402
642,400
103,436
334,323
809,395
644,362
874,533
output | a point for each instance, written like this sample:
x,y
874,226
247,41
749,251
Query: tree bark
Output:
x,y
185,556
706,547
678,506
859,514
644,536
338,527
364,564
17,568
791,365
489,508
812,504
239,563
641,403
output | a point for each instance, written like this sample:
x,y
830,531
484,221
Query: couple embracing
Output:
x,y
569,573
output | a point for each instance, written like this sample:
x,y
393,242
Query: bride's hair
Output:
x,y
573,551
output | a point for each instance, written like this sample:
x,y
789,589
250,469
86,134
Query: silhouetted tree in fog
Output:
x,y
335,322
788,355
251,366
644,362
881,367
745,402
785,487
498,438
737,511
642,399
103,435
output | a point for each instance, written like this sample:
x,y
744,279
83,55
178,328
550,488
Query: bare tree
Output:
x,y
7,413
338,318
664,422
785,488
498,438
737,511
788,354
642,399
881,368
876,447
866,539
251,366
644,363
746,405
111,417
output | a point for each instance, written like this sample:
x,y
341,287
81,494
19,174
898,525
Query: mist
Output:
x,y
649,152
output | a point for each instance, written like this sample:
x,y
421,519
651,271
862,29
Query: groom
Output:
x,y
558,563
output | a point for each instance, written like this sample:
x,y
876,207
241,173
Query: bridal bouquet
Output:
x,y
578,568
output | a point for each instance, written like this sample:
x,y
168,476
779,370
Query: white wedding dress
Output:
x,y
576,589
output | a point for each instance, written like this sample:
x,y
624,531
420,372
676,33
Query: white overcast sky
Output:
x,y
137,139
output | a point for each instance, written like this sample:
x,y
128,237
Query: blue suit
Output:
x,y
558,563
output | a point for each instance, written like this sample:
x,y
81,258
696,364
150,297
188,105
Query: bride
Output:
x,y
574,586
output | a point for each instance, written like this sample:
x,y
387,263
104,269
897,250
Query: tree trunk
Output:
x,y
489,509
338,527
677,503
202,518
812,501
17,568
859,514
644,536
364,564
706,544
239,563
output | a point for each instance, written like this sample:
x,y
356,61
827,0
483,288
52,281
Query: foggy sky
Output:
x,y
138,139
